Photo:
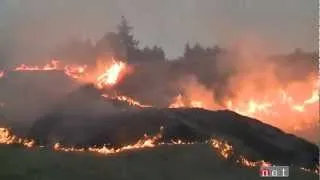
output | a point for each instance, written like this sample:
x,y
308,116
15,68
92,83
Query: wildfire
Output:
x,y
126,99
181,102
59,147
106,77
245,162
227,151
75,71
145,142
223,148
293,109
178,102
53,65
6,137
111,74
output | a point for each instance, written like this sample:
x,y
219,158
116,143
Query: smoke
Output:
x,y
29,30
34,28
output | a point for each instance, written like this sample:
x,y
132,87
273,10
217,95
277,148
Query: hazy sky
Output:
x,y
32,26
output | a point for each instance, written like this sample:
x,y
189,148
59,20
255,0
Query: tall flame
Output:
x,y
73,71
293,109
111,74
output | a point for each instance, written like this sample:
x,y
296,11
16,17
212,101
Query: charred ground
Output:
x,y
77,122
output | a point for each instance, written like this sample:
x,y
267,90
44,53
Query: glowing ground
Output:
x,y
174,162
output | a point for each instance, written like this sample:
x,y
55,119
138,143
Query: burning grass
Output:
x,y
294,108
256,94
222,148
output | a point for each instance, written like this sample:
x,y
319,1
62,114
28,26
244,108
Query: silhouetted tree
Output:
x,y
158,53
128,45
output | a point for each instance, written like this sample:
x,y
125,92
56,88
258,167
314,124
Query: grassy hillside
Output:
x,y
183,162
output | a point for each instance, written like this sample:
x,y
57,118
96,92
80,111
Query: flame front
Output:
x,y
221,147
126,99
146,142
224,149
106,77
6,137
293,109
75,71
227,151
111,74
180,102
53,65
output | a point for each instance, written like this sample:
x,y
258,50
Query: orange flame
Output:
x,y
245,162
109,77
75,71
6,137
111,74
226,151
145,142
223,148
180,102
59,147
53,65
126,99
298,103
